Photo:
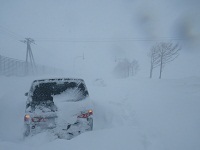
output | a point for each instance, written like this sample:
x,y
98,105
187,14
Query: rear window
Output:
x,y
45,91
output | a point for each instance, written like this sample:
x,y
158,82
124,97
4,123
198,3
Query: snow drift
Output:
x,y
139,114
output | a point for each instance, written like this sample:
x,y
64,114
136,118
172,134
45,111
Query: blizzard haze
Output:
x,y
87,39
103,30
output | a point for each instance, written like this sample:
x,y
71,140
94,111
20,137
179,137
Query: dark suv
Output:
x,y
59,105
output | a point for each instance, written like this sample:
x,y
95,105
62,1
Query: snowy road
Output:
x,y
138,114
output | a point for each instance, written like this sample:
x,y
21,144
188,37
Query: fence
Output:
x,y
14,67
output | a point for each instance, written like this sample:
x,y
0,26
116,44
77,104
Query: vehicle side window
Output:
x,y
83,89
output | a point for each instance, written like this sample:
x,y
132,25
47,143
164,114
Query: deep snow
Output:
x,y
133,113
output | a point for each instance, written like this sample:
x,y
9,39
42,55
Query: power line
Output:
x,y
78,40
10,33
92,40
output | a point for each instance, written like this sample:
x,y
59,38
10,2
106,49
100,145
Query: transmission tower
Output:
x,y
29,55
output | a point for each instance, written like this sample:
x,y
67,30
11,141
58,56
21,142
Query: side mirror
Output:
x,y
26,94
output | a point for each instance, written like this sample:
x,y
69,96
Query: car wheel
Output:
x,y
26,130
90,123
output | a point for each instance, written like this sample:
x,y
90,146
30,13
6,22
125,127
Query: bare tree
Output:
x,y
167,52
125,68
161,54
155,59
134,67
121,70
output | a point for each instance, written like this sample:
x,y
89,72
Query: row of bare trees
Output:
x,y
161,54
125,68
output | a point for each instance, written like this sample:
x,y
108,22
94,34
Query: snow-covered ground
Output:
x,y
133,113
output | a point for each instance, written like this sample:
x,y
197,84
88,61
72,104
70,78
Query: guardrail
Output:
x,y
15,67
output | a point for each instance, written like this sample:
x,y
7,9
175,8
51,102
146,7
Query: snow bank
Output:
x,y
139,114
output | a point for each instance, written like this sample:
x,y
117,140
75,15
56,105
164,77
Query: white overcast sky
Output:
x,y
102,30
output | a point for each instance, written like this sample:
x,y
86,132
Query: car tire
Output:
x,y
27,130
90,123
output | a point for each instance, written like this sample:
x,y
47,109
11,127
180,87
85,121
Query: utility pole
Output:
x,y
29,55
